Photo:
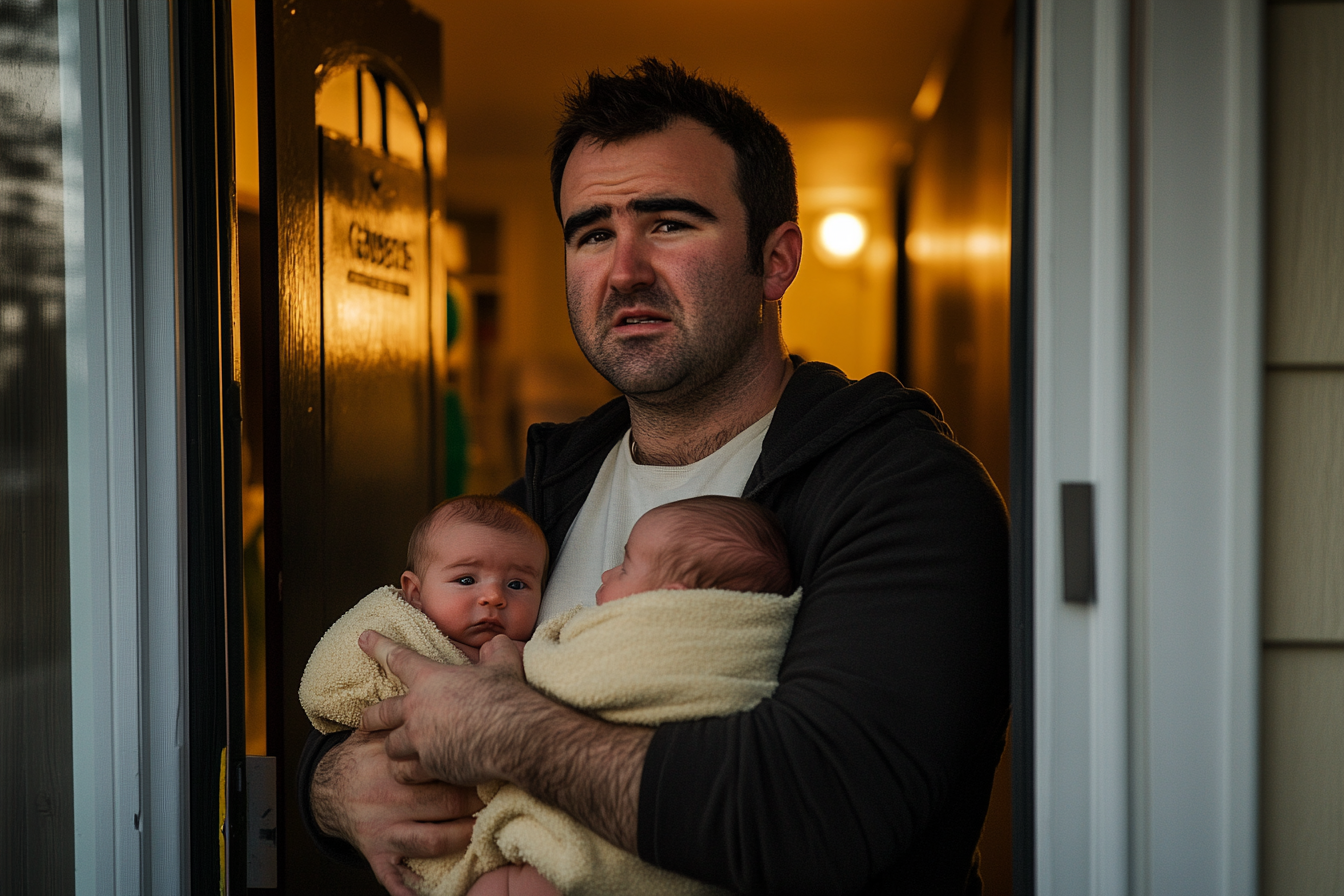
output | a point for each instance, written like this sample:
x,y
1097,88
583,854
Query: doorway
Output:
x,y
926,298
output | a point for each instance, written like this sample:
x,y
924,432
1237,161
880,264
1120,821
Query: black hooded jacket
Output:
x,y
869,770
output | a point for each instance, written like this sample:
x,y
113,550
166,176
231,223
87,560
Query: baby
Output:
x,y
475,567
475,564
711,541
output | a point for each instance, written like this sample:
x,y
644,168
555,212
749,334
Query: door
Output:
x,y
353,344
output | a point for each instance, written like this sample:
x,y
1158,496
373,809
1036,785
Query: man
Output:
x,y
870,769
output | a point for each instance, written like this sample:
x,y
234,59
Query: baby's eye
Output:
x,y
517,584
465,580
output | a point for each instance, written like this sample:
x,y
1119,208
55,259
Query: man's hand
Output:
x,y
470,724
356,798
450,723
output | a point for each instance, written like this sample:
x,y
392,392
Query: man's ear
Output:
x,y
783,254
410,589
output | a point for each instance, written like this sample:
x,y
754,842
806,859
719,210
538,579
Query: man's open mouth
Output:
x,y
638,317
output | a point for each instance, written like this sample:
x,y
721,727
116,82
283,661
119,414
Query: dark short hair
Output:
x,y
484,510
648,98
724,542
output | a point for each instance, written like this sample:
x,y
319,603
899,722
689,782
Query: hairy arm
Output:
x,y
355,797
502,729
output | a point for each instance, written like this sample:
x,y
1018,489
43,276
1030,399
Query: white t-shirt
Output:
x,y
622,493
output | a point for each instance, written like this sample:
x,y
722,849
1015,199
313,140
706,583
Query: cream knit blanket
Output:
x,y
661,656
340,680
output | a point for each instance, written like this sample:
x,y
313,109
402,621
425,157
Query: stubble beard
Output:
x,y
670,367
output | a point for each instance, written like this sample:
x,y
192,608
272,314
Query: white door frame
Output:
x,y
1147,365
127,614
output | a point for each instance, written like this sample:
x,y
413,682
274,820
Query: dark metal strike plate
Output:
x,y
1077,525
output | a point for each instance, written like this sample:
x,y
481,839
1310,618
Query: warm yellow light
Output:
x,y
930,93
975,245
843,234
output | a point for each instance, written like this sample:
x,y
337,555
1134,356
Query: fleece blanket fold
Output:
x,y
661,656
340,680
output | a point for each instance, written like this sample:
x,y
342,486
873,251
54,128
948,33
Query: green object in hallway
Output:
x,y
452,319
454,445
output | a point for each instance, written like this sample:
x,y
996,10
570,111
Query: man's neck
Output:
x,y
684,432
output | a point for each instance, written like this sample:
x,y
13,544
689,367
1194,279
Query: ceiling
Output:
x,y
506,62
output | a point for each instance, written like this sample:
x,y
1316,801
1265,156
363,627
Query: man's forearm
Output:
x,y
324,794
587,767
477,723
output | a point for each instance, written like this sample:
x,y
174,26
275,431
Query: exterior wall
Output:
x,y
1302,772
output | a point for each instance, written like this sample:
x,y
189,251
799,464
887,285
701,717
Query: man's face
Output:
x,y
480,582
661,298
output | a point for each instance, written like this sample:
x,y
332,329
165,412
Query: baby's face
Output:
x,y
480,583
636,571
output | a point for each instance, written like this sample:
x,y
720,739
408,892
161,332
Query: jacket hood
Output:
x,y
821,407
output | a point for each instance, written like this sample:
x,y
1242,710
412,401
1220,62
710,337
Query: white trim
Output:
x,y
123,417
1146,704
1081,358
1197,391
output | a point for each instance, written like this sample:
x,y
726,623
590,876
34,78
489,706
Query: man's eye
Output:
x,y
465,580
517,585
669,226
593,236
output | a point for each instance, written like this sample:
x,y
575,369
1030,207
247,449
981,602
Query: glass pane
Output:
x,y
403,128
337,103
36,804
370,112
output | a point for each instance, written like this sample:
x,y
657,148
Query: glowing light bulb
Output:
x,y
843,234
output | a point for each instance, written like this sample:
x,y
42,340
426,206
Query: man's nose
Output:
x,y
631,270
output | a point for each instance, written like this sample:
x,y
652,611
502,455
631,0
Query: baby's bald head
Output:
x,y
723,542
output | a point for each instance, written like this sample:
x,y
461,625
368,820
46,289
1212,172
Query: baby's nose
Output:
x,y
493,597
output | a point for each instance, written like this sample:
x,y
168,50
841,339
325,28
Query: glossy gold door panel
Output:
x,y
376,366
355,363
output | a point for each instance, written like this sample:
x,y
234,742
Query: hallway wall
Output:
x,y
956,337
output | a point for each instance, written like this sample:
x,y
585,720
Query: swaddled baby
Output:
x,y
474,569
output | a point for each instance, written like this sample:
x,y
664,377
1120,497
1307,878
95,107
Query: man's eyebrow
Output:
x,y
580,220
674,204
